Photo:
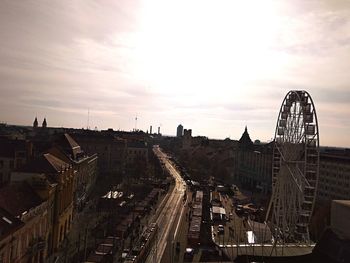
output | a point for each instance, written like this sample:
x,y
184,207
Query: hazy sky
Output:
x,y
214,66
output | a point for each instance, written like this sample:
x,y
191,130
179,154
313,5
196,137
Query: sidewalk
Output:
x,y
79,238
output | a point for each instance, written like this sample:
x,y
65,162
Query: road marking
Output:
x,y
164,218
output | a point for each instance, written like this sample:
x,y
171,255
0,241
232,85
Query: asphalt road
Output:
x,y
168,215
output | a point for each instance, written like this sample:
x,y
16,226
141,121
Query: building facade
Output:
x,y
187,139
13,155
254,169
135,151
334,176
10,235
54,179
254,165
84,165
30,243
111,150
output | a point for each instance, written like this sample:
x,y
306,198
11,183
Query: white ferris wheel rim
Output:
x,y
296,146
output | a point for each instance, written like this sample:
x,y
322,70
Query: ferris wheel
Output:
x,y
295,169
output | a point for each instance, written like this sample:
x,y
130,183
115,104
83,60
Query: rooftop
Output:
x,y
45,163
8,223
137,144
18,198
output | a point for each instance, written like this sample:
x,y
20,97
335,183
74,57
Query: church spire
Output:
x,y
35,123
44,123
245,139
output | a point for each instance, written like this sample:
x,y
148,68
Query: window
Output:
x,y
11,164
1,163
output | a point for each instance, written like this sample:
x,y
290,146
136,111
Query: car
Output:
x,y
250,209
251,206
221,229
188,255
239,211
230,216
125,253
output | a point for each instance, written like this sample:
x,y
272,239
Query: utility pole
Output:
x,y
88,119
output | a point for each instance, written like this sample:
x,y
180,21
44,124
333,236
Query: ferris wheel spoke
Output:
x,y
295,168
295,178
293,131
299,126
303,177
280,152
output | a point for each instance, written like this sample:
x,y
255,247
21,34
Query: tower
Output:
x,y
179,131
245,139
150,129
44,123
35,123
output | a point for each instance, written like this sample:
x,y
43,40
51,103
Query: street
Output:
x,y
169,212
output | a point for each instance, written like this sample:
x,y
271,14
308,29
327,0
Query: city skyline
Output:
x,y
214,67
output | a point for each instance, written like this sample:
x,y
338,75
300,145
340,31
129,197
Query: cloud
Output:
x,y
168,63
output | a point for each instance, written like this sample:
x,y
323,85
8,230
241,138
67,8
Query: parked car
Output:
x,y
230,216
188,255
250,208
239,210
221,229
125,253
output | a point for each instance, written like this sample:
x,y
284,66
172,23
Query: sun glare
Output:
x,y
203,46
